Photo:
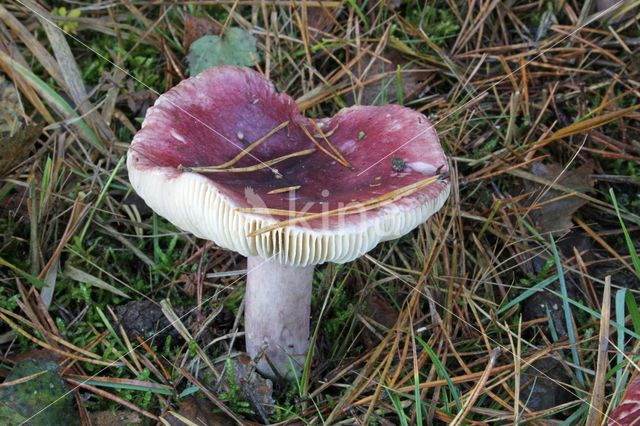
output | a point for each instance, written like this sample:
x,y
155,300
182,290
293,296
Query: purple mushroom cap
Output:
x,y
209,119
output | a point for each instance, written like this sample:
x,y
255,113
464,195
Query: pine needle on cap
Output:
x,y
358,207
255,167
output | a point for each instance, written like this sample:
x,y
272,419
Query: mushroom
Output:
x,y
290,194
628,410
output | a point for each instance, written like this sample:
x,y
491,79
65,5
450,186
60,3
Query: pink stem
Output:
x,y
277,314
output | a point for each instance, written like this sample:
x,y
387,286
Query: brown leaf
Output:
x,y
200,412
196,27
555,216
9,101
611,9
321,19
378,314
381,311
39,354
15,149
120,417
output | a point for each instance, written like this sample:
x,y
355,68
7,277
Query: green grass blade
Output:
x,y
416,395
188,391
151,387
107,324
620,314
575,418
46,176
571,332
442,371
399,94
395,400
552,326
33,280
632,307
103,193
627,237
528,293
595,314
361,15
7,191
52,97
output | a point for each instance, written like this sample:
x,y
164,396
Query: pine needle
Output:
x,y
371,204
248,149
263,165
323,149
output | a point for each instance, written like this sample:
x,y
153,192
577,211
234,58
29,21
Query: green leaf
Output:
x,y
74,13
33,280
43,399
234,47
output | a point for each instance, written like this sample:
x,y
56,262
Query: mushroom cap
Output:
x,y
208,119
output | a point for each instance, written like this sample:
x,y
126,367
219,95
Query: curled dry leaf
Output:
x,y
145,318
113,417
555,211
15,149
9,105
322,19
198,410
196,27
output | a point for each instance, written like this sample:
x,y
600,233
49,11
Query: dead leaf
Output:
x,y
84,277
9,105
381,311
555,212
137,101
322,19
199,411
117,417
32,387
15,149
611,9
235,46
196,27
39,354
145,318
380,316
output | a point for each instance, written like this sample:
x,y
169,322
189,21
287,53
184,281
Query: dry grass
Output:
x,y
423,330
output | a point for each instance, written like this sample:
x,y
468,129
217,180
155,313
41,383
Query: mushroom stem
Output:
x,y
277,312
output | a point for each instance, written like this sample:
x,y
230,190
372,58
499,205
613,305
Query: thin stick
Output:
x,y
215,169
333,148
281,190
323,149
248,149
371,204
273,212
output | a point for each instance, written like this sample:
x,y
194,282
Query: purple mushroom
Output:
x,y
226,157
